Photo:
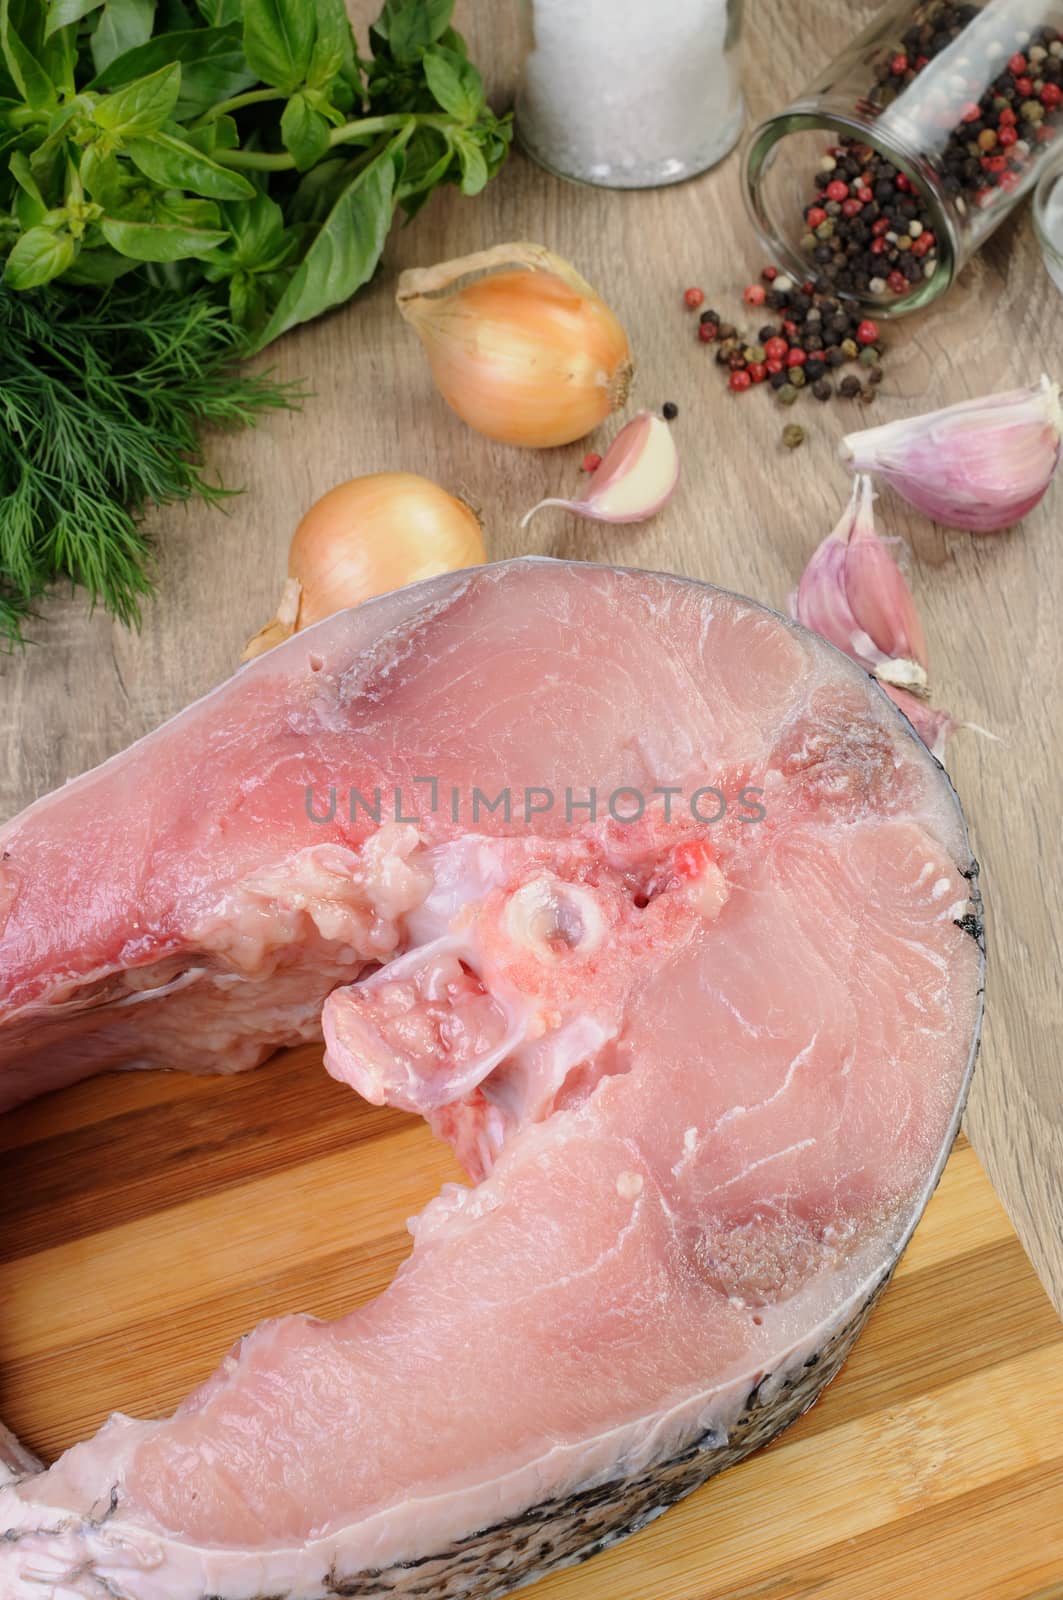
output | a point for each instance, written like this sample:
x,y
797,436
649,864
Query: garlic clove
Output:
x,y
853,593
634,479
981,465
520,346
933,726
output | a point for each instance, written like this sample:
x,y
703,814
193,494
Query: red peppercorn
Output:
x,y
773,364
707,332
1007,118
881,226
790,329
852,208
808,287
837,190
769,274
1017,63
815,215
1010,180
754,294
897,282
796,357
921,62
775,348
879,246
758,371
899,66
902,183
1024,86
970,113
994,163
591,461
864,195
694,298
1051,94
740,380
867,332
923,245
1006,136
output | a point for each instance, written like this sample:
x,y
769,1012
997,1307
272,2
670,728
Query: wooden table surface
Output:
x,y
746,516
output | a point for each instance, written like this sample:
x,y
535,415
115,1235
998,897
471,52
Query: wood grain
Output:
x,y
147,1231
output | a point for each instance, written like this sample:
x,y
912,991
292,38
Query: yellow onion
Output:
x,y
519,344
366,537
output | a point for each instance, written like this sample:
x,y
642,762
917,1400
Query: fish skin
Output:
x,y
99,1552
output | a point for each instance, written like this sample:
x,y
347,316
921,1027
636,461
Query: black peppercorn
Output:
x,y
669,411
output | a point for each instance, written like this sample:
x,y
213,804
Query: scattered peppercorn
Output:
x,y
669,411
591,461
694,298
707,332
754,294
793,435
740,380
823,389
787,395
849,387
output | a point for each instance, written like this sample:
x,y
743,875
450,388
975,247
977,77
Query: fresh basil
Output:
x,y
158,241
174,164
123,24
40,255
142,106
279,40
27,73
304,132
455,83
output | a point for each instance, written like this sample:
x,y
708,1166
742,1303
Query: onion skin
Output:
x,y
366,537
529,355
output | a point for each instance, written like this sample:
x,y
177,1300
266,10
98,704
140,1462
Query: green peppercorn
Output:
x,y
793,435
797,377
850,349
869,355
786,395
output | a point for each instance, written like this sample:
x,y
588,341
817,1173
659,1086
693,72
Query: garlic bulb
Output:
x,y
634,478
854,594
980,465
519,345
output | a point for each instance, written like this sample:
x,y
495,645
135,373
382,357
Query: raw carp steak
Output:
x,y
653,905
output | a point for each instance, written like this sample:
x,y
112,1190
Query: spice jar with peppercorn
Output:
x,y
893,167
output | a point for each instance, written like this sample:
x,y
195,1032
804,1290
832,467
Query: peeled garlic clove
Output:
x,y
853,593
981,465
520,346
635,477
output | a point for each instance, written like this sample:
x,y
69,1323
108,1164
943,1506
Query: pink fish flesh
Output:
x,y
703,1073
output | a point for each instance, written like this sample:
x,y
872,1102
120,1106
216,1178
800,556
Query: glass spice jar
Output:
x,y
629,94
893,167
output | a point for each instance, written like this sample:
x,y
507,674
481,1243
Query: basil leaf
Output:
x,y
101,177
62,12
20,170
177,165
98,268
122,25
27,73
247,301
455,83
189,213
221,134
159,241
304,133
345,251
473,164
258,232
334,45
278,40
410,26
142,106
38,256
218,12
213,67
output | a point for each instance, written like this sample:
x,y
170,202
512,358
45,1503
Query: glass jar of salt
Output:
x,y
629,94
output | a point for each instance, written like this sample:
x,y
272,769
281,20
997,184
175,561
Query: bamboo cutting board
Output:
x,y
151,1219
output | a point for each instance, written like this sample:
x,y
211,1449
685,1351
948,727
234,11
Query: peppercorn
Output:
x,y
835,356
796,357
591,461
822,389
814,369
707,332
869,355
793,435
850,349
849,387
669,411
876,375
779,380
755,352
728,330
867,332
693,298
754,294
766,333
739,380
757,371
787,395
